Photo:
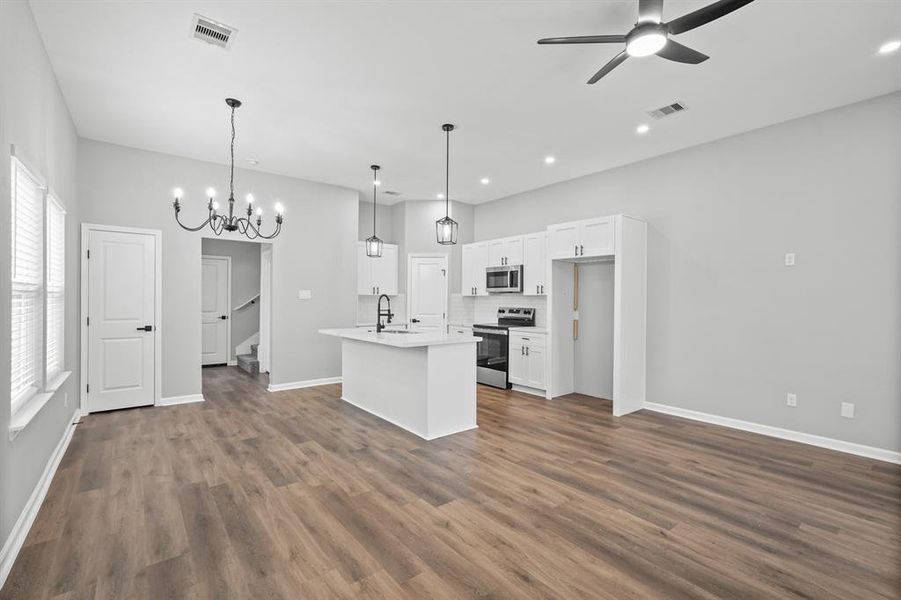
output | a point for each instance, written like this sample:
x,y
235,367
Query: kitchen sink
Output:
x,y
392,331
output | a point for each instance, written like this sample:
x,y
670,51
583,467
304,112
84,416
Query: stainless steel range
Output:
x,y
493,350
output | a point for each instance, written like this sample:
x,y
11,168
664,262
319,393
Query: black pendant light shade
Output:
x,y
247,226
374,244
446,228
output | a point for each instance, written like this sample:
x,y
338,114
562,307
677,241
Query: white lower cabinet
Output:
x,y
526,365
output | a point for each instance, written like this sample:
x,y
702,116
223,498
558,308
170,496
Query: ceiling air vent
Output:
x,y
391,193
667,110
212,32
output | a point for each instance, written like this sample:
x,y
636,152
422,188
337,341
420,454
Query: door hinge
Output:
x,y
443,316
87,389
88,321
89,253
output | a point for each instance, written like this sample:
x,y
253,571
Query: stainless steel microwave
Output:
x,y
504,280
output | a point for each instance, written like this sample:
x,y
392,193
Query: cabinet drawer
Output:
x,y
533,340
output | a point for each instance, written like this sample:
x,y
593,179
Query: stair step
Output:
x,y
249,363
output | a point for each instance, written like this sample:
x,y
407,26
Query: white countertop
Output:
x,y
535,330
402,340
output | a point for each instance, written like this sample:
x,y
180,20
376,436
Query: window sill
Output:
x,y
31,407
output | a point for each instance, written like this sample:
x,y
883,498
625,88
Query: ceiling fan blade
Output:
x,y
614,62
585,39
650,11
679,53
704,15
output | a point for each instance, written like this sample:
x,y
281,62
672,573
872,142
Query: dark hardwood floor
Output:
x,y
299,495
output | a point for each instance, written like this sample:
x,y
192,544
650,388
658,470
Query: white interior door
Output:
x,y
264,349
428,292
214,309
121,328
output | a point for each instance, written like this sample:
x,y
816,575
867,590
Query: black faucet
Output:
x,y
387,313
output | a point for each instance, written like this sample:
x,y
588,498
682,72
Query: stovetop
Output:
x,y
511,317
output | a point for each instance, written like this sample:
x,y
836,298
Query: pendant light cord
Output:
x,y
231,180
374,179
447,174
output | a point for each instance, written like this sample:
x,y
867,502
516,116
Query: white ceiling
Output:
x,y
331,87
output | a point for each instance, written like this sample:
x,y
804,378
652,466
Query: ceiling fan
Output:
x,y
651,35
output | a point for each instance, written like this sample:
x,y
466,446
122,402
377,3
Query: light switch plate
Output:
x,y
848,410
790,259
791,399
304,294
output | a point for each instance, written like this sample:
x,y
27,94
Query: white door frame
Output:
x,y
86,229
265,347
409,303
228,305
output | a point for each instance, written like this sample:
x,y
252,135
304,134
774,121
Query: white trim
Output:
x,y
29,409
777,432
157,234
404,427
296,385
232,363
528,390
13,544
173,400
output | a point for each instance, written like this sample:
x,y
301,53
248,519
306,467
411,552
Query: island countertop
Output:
x,y
415,339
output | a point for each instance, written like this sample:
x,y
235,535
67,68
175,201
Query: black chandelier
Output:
x,y
374,244
219,223
446,228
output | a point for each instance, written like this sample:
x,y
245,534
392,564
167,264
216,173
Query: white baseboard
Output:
x,y
528,390
777,432
232,363
296,385
173,400
20,530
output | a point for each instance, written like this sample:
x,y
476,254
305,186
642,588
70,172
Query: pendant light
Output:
x,y
446,228
374,244
219,223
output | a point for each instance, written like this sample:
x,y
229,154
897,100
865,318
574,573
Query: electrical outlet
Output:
x,y
848,410
791,399
790,259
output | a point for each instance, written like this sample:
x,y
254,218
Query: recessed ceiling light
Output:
x,y
253,162
485,181
889,46
549,160
642,129
441,196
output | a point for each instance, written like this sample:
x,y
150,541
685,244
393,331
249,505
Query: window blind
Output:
x,y
56,288
27,282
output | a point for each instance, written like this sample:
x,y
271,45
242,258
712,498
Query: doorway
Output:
x,y
427,291
120,304
215,309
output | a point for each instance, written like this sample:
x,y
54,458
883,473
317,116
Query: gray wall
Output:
x,y
316,251
34,117
593,351
384,221
245,284
731,330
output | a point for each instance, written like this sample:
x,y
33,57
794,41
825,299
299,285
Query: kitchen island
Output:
x,y
422,381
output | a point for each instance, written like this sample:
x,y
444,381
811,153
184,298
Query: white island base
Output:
x,y
422,382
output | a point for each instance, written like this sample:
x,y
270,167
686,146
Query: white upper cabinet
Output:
x,y
591,237
534,262
475,261
377,275
505,251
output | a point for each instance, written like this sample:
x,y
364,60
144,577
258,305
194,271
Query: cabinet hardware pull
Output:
x,y
581,250
527,350
522,350
576,250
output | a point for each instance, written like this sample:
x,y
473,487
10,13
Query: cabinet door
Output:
x,y
479,264
365,287
535,371
562,240
513,250
467,286
517,363
384,271
497,250
596,237
534,264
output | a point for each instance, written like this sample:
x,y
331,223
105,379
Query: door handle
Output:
x,y
415,321
223,317
146,328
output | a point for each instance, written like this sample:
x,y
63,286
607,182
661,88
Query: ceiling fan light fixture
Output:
x,y
646,40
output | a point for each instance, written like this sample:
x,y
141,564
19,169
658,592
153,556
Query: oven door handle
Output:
x,y
490,331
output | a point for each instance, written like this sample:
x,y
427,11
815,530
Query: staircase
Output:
x,y
250,362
